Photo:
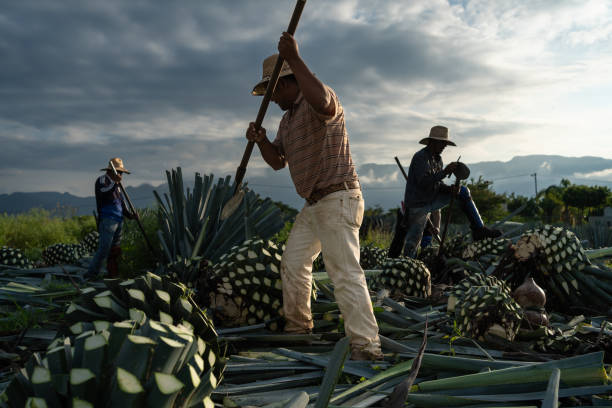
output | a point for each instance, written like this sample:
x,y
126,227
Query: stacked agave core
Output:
x,y
60,254
455,246
372,257
90,241
487,246
558,263
482,304
248,284
557,250
556,341
404,277
14,257
478,279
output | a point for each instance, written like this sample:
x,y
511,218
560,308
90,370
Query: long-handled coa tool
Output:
x,y
234,202
134,211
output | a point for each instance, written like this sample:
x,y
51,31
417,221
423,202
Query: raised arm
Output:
x,y
312,88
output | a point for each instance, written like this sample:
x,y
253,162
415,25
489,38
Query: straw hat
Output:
x,y
438,133
268,67
118,163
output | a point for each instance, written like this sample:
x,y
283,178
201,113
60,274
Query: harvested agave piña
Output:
x,y
556,260
404,277
482,310
63,254
248,287
487,246
90,241
372,257
14,257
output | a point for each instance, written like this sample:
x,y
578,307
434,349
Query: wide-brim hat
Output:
x,y
438,133
118,163
268,67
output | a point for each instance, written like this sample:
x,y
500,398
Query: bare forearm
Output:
x,y
271,155
313,90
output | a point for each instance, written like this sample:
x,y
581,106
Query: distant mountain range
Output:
x,y
383,184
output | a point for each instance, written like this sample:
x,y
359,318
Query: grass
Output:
x,y
378,237
36,229
280,238
23,317
136,256
16,316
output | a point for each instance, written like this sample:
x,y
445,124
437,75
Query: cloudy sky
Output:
x,y
165,84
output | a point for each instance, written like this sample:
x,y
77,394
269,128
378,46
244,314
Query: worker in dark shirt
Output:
x,y
426,194
111,210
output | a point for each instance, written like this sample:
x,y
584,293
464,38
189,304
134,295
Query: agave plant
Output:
x,y
150,295
129,363
191,224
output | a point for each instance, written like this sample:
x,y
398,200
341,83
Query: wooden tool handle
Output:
x,y
241,171
448,217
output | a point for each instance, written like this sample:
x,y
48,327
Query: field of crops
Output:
x,y
523,320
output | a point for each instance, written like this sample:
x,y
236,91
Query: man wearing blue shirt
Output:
x,y
111,210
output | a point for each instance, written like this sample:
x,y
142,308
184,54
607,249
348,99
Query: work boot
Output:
x,y
479,231
302,338
299,331
360,353
478,234
112,262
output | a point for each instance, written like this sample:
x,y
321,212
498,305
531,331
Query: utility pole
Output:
x,y
535,179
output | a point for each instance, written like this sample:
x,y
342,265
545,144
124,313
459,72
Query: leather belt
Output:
x,y
322,192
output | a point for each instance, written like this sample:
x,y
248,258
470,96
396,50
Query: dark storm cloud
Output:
x,y
349,55
84,81
72,61
147,159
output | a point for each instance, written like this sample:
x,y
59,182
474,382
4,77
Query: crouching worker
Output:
x,y
111,210
426,194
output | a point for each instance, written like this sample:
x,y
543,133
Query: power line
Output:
x,y
508,177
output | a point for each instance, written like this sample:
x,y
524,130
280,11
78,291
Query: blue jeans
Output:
x,y
110,236
417,217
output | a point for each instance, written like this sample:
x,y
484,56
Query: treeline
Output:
x,y
567,203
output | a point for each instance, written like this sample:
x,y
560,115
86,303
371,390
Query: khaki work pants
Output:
x,y
331,225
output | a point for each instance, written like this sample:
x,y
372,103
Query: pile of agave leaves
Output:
x,y
197,361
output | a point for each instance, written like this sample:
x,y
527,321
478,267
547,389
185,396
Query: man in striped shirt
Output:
x,y
111,210
313,141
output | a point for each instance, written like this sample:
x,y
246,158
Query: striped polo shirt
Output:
x,y
315,146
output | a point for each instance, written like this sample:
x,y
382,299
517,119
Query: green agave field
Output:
x,y
522,321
